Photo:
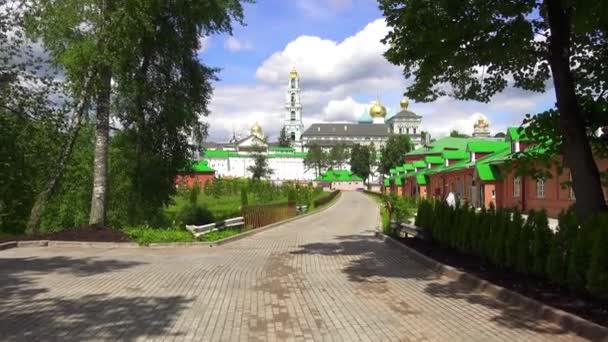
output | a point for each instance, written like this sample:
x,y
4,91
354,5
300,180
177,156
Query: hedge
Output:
x,y
326,199
574,256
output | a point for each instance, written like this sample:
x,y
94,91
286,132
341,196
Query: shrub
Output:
x,y
498,237
579,259
193,214
514,229
560,247
597,276
244,200
540,243
291,196
523,246
193,193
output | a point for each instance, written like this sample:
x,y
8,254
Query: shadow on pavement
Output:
x,y
373,261
25,314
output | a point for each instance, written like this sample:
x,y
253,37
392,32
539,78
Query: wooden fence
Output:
x,y
261,215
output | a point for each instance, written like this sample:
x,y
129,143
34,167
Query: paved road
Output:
x,y
323,277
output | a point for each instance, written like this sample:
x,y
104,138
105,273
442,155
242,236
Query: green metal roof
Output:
x,y
399,169
202,166
419,163
486,146
517,133
216,154
421,179
283,149
433,160
408,167
486,172
438,146
398,181
339,176
387,182
392,171
458,154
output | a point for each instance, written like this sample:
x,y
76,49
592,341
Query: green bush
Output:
x,y
514,229
244,200
561,245
579,259
524,254
145,235
597,276
193,214
540,243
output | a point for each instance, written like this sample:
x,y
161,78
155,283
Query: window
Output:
x,y
293,115
516,186
540,188
293,99
414,130
293,136
493,193
407,130
293,83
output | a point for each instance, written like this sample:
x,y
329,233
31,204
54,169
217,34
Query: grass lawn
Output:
x,y
221,234
146,235
386,223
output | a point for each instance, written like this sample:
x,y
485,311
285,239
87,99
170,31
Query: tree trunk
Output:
x,y
97,215
43,197
578,156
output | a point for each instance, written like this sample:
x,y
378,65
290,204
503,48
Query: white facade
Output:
x,y
284,168
293,110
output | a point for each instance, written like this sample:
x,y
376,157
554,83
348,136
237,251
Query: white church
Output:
x,y
232,159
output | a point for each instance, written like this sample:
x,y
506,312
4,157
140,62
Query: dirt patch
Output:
x,y
79,233
580,304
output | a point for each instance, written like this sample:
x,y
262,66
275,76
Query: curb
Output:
x,y
563,319
92,244
272,225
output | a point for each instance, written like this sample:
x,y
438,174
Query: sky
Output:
x,y
335,46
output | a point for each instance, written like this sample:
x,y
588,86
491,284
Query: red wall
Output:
x,y
200,177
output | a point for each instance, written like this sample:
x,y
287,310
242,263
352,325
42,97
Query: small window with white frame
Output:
x,y
540,188
516,186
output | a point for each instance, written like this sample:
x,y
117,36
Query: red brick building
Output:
x,y
200,173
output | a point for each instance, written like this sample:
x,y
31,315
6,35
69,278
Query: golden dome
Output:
x,y
482,122
256,129
377,110
293,74
404,103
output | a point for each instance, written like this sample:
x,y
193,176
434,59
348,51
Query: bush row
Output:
x,y
326,199
575,255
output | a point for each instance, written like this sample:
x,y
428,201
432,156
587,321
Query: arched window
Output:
x,y
293,83
293,136
293,99
293,115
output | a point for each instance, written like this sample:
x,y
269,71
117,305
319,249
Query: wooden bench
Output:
x,y
212,227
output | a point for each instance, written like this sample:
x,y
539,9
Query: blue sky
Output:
x,y
335,46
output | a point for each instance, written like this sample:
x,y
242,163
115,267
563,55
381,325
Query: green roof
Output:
x,y
202,166
387,182
216,154
419,163
398,181
458,154
408,167
399,169
338,176
516,133
392,171
438,146
433,160
486,146
421,179
486,172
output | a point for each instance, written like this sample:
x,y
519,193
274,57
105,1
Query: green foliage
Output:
x,y
393,152
338,155
456,134
260,169
244,200
221,234
524,254
513,238
597,275
540,243
194,192
361,161
145,235
192,213
315,159
291,196
579,259
561,247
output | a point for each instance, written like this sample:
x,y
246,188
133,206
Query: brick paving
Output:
x,y
321,278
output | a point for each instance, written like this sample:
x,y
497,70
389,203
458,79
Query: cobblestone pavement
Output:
x,y
320,278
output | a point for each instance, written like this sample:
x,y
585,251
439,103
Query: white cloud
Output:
x,y
233,44
334,73
204,43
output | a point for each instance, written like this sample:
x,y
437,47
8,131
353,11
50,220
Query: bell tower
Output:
x,y
293,118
